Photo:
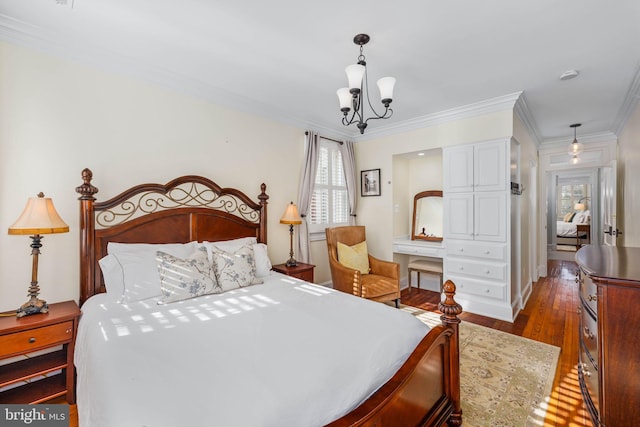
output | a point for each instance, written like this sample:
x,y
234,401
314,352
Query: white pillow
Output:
x,y
185,278
113,277
235,269
263,263
139,268
578,218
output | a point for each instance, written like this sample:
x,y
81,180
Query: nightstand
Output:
x,y
301,271
580,229
21,336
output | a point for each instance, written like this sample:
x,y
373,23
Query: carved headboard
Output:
x,y
185,209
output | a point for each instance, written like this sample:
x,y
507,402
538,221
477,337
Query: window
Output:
x,y
568,196
329,202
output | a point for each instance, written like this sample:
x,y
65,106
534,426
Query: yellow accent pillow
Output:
x,y
355,256
568,217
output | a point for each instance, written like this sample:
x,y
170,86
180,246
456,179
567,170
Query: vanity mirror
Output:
x,y
427,216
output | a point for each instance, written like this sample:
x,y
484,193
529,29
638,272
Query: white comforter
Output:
x,y
285,353
566,229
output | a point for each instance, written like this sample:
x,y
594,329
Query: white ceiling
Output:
x,y
284,59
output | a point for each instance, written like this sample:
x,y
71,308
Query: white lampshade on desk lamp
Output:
x,y
39,217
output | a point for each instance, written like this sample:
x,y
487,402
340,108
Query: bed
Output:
x,y
279,352
572,231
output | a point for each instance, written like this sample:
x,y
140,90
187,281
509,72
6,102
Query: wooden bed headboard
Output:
x,y
185,209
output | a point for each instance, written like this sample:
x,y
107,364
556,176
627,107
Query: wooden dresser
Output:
x,y
609,360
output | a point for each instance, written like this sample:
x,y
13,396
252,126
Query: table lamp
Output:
x,y
291,217
39,217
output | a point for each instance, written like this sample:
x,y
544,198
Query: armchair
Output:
x,y
383,281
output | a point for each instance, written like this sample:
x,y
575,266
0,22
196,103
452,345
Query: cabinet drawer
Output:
x,y
304,275
478,287
495,252
22,342
588,292
589,335
417,249
478,269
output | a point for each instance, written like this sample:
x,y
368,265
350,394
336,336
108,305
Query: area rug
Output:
x,y
506,380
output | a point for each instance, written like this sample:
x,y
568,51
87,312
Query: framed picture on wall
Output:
x,y
370,182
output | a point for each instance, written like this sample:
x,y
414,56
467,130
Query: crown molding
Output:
x,y
524,114
505,102
629,104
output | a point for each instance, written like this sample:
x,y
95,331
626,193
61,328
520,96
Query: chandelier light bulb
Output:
x,y
574,159
576,147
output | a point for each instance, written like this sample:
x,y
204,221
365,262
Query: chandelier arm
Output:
x,y
384,116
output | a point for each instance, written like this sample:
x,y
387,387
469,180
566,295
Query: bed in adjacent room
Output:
x,y
184,323
571,231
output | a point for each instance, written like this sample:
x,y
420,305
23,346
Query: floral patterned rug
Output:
x,y
506,380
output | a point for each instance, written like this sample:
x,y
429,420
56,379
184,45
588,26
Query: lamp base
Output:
x,y
33,306
291,262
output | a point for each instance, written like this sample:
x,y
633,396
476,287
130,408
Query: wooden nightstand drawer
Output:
x,y
21,342
301,271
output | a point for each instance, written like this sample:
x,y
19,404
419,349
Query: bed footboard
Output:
x,y
426,389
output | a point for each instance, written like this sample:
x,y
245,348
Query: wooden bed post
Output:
x,y
263,197
451,310
87,229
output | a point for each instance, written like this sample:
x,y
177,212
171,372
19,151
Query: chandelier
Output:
x,y
575,147
353,96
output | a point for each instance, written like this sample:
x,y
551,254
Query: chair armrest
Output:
x,y
384,268
345,279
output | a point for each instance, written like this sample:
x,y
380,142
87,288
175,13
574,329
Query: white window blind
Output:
x,y
329,203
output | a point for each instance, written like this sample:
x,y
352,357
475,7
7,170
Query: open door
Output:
x,y
608,198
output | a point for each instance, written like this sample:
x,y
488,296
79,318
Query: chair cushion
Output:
x,y
355,256
425,265
374,286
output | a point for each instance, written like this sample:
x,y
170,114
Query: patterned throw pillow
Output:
x,y
182,279
235,269
355,256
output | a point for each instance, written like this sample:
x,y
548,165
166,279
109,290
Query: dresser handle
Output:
x,y
487,252
587,333
579,309
461,268
592,297
487,290
32,340
488,271
68,330
461,249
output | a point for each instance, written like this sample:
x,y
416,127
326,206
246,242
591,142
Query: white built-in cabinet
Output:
x,y
477,226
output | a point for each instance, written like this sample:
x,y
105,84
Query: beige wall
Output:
x,y
377,213
58,117
628,178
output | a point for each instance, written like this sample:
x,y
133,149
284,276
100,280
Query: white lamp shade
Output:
x,y
386,85
575,148
345,97
39,217
579,207
355,73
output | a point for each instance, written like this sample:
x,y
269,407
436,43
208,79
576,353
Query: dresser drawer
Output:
x,y
465,285
589,335
478,269
588,292
418,249
23,342
483,250
588,377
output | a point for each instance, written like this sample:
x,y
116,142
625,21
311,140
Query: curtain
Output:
x,y
307,183
349,162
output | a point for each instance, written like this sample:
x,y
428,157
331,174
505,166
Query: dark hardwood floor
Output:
x,y
551,316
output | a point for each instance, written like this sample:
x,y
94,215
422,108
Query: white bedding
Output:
x,y
284,353
566,229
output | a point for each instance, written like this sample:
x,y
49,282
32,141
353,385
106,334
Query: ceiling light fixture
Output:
x,y
569,74
575,147
353,96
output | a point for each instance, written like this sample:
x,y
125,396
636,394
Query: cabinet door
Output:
x,y
458,211
458,169
490,166
490,222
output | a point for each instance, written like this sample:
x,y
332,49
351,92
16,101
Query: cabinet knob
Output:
x,y
487,290
487,252
461,268
32,340
461,249
488,271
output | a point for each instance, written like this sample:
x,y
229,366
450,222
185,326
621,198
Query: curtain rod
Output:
x,y
324,137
